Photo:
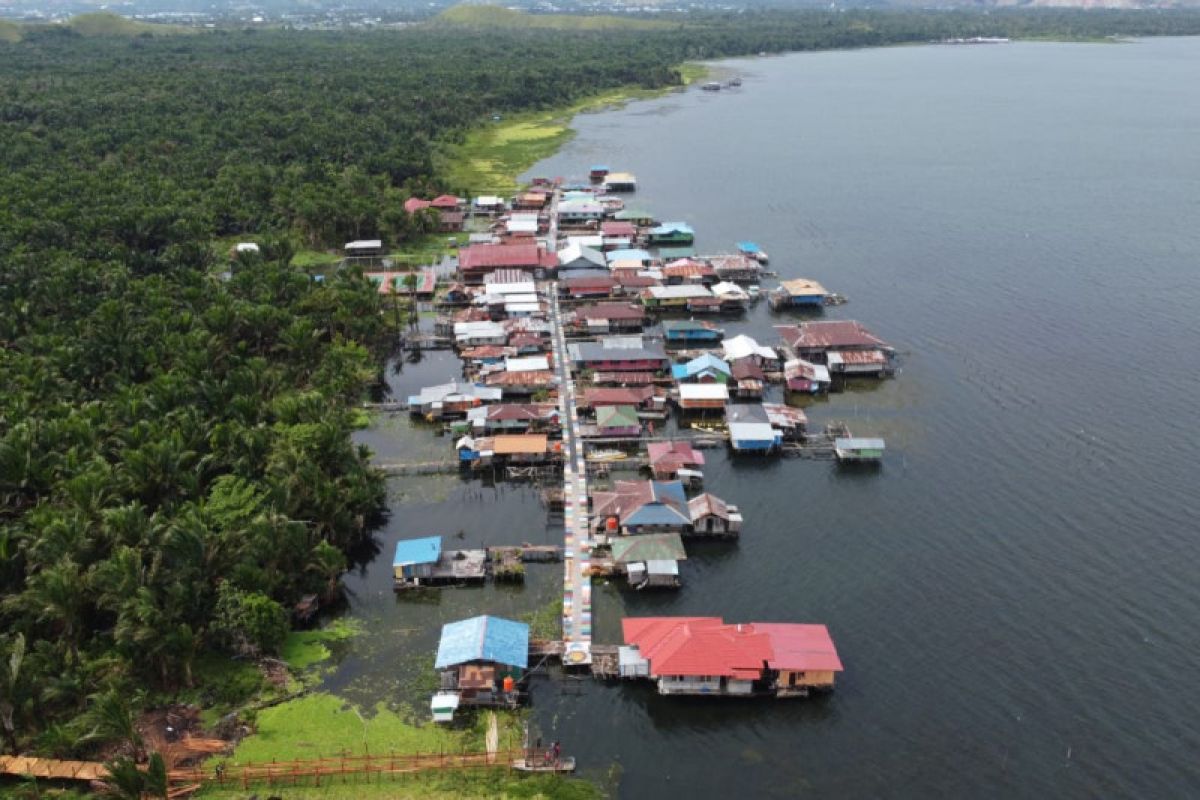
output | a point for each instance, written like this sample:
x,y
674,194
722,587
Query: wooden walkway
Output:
x,y
577,583
52,769
276,773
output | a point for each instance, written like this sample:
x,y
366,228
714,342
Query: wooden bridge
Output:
x,y
313,771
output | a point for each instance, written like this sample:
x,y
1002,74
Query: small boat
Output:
x,y
735,82
606,455
711,86
535,764
753,251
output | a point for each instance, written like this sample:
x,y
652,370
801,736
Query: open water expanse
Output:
x,y
1016,594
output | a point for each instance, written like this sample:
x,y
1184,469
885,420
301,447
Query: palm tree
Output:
x,y
329,564
13,690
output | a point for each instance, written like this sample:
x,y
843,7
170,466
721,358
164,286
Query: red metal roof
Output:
x,y
616,311
800,647
631,280
702,646
445,201
707,646
833,334
746,368
414,204
617,229
681,453
688,269
494,256
616,396
590,282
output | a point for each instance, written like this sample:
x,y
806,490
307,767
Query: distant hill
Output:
x,y
9,31
103,23
100,23
488,16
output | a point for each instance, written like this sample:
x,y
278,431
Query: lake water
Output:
x,y
1016,594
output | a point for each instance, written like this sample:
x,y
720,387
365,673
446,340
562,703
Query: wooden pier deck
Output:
x,y
577,584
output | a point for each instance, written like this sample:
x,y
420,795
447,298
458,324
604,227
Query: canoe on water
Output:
x,y
565,764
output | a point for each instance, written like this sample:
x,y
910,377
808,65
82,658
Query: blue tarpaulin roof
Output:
x,y
748,247
628,255
699,365
417,551
502,641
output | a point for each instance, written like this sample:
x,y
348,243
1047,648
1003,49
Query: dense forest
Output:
x,y
176,465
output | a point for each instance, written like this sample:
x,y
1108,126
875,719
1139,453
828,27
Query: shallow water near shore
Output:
x,y
1014,594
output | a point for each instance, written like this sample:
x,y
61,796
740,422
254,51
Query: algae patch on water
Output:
x,y
303,649
321,724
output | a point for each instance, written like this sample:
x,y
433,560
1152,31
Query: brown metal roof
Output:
x,y
830,335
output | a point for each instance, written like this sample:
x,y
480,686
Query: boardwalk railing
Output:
x,y
287,773
345,769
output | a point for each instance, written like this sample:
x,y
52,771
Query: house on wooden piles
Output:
x,y
705,368
705,656
618,354
451,399
616,235
858,450
508,449
688,271
684,296
732,298
603,318
618,422
514,418
479,332
680,333
703,397
747,379
637,507
670,233
644,398
750,429
789,421
804,377
575,257
488,204
736,268
712,516
598,173
480,662
638,216
423,562
799,293
743,346
650,560
628,259
477,260
619,182
587,287
676,461
531,201
521,383
580,212
845,346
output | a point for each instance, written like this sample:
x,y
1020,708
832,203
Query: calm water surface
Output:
x,y
1016,594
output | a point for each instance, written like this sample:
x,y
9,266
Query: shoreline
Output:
x,y
493,155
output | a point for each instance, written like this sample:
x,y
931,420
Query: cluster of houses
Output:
x,y
641,313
